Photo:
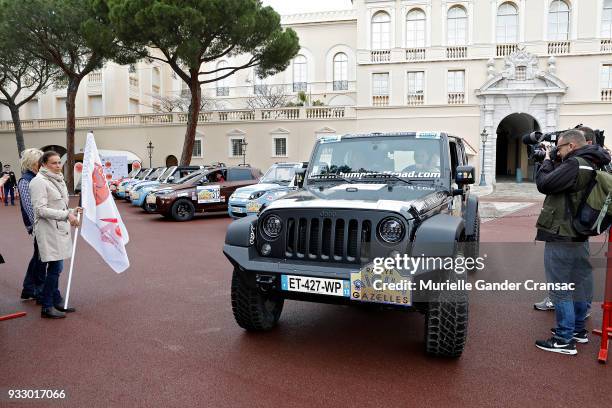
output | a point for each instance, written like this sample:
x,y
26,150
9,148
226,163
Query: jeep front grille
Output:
x,y
328,239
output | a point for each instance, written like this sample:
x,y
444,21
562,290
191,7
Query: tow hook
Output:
x,y
265,282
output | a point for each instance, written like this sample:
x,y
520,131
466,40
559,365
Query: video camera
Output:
x,y
535,142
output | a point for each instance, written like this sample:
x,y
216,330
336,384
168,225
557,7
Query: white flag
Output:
x,y
102,226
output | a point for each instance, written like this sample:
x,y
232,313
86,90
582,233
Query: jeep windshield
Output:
x,y
384,158
280,174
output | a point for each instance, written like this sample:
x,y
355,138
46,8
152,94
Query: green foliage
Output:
x,y
75,35
189,33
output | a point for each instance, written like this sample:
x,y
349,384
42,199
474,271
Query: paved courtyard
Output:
x,y
162,334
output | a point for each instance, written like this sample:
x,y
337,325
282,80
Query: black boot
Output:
x,y
66,310
52,313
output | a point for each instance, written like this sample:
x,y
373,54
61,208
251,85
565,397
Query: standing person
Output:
x,y
566,253
9,185
52,221
37,270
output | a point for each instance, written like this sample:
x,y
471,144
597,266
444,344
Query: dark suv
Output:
x,y
363,199
209,191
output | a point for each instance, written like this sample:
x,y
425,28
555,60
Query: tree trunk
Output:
x,y
18,130
73,87
192,121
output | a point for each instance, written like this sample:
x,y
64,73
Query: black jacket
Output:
x,y
555,178
12,180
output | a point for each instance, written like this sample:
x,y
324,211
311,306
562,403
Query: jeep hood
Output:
x,y
364,197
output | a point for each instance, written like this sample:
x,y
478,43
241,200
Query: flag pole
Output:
x,y
76,237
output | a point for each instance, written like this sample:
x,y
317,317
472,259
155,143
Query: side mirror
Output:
x,y
300,174
465,175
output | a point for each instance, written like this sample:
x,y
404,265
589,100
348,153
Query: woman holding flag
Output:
x,y
52,221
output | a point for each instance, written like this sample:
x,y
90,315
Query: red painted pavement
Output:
x,y
162,335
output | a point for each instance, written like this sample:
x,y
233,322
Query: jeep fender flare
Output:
x,y
241,232
471,210
438,235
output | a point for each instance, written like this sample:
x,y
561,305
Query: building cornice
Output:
x,y
319,17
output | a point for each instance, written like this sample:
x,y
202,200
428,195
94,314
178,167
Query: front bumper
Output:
x,y
265,274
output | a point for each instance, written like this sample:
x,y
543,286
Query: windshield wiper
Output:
x,y
331,177
388,177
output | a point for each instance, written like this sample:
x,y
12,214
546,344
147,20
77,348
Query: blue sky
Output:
x,y
306,6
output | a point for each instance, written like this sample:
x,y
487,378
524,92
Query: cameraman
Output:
x,y
566,253
546,303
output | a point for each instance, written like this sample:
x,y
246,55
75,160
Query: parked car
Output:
x,y
139,177
208,192
155,175
114,184
276,182
171,176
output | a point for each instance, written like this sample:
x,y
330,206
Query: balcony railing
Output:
x,y
380,55
456,98
606,45
414,99
324,112
340,85
380,100
503,50
415,54
280,113
606,95
456,52
180,118
558,47
94,77
300,86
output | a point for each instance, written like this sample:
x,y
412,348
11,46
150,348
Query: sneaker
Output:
x,y
545,304
581,337
557,346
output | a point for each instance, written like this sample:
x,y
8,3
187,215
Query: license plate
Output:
x,y
388,287
121,188
319,286
150,199
135,196
253,206
238,210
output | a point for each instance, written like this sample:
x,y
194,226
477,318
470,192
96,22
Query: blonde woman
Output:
x,y
35,275
52,221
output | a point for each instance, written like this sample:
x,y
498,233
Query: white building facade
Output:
x,y
506,67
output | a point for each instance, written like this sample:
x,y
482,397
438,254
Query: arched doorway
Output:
x,y
57,148
171,161
511,154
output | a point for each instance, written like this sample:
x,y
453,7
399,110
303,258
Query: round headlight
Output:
x,y
391,230
272,226
256,195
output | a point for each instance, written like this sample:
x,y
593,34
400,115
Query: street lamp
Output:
x,y
243,146
150,147
483,138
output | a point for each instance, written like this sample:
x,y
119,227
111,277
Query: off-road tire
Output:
x,y
253,310
446,324
182,210
149,208
472,244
